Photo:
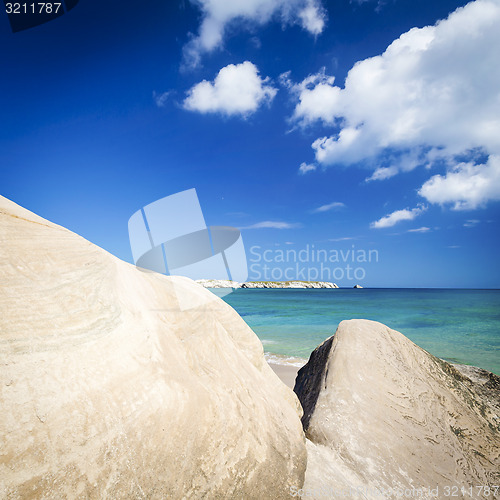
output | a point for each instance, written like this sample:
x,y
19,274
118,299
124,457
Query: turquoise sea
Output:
x,y
461,326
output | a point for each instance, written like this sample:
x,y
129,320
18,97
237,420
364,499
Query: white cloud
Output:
x,y
328,207
422,229
317,98
306,167
435,88
269,224
345,238
237,90
161,98
217,15
346,145
397,216
255,41
380,3
312,18
382,173
465,186
471,223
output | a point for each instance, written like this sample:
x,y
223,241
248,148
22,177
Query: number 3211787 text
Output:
x,y
33,8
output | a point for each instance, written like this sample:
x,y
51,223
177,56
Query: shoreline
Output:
x,y
287,372
286,367
284,359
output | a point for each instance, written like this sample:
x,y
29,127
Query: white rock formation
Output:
x,y
218,283
381,414
288,284
357,286
109,390
208,283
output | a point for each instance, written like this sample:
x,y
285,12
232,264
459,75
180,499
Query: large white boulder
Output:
x,y
383,415
117,383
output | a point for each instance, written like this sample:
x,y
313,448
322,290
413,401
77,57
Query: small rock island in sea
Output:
x,y
121,384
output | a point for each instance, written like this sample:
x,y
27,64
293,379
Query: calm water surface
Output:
x,y
461,326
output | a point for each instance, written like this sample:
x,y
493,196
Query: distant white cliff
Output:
x,y
265,284
288,284
219,283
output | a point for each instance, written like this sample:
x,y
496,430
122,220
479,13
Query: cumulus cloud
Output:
x,y
269,224
317,98
398,216
312,17
434,93
328,207
306,167
465,186
237,90
217,15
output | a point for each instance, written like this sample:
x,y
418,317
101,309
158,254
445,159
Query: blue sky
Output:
x,y
344,125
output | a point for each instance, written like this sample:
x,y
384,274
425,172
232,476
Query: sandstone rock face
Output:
x,y
110,389
382,414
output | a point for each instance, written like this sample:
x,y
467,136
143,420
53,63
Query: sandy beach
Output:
x,y
286,373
